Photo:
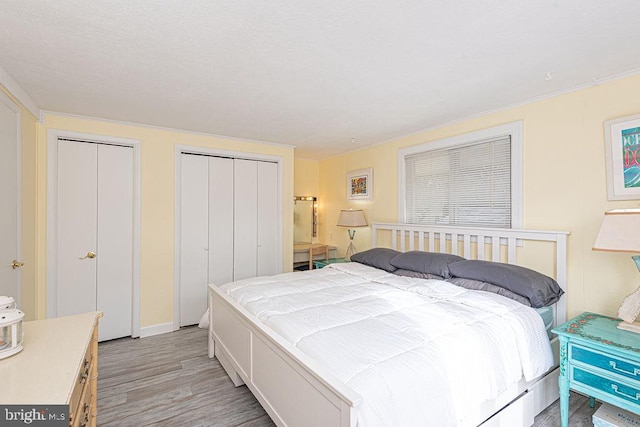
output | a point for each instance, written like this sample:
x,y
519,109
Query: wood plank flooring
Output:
x,y
168,380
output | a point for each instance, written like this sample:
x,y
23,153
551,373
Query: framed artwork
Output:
x,y
622,153
360,184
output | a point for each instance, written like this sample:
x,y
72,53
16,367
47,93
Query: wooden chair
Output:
x,y
317,250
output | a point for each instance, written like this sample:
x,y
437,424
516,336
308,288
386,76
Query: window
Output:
x,y
473,179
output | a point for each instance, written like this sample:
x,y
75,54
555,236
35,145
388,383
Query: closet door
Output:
x,y
267,258
245,226
77,227
115,240
229,227
220,220
95,233
194,241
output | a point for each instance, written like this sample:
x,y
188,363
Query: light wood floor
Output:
x,y
168,380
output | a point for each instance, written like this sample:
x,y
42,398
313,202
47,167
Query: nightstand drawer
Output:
x,y
607,362
614,388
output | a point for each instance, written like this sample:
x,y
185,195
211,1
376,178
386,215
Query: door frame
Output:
x,y
52,216
188,149
16,109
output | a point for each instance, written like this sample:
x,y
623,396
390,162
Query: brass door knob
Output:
x,y
90,255
16,264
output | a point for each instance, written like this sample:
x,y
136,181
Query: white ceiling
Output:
x,y
310,74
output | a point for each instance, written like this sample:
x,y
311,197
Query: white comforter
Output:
x,y
419,352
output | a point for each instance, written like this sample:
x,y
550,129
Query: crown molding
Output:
x,y
43,113
18,93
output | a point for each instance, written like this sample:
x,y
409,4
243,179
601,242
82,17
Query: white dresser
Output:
x,y
58,366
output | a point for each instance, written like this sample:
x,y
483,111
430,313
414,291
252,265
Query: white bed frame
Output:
x,y
296,391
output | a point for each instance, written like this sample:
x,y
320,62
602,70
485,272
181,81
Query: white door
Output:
x,y
267,261
194,238
220,220
229,226
206,239
115,240
77,225
245,224
95,234
9,194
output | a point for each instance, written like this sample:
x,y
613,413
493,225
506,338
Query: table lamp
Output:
x,y
351,218
620,232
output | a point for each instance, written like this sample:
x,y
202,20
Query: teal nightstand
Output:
x,y
599,360
320,263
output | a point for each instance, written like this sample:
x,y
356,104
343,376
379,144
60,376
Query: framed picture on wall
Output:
x,y
360,184
622,153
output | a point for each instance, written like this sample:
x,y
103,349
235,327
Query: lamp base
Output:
x,y
351,250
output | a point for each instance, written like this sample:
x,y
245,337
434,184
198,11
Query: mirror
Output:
x,y
305,219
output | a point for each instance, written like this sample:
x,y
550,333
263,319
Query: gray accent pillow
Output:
x,y
477,285
426,262
376,257
539,289
417,274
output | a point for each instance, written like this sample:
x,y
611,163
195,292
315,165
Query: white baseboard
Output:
x,y
160,328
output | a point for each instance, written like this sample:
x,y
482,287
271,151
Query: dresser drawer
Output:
x,y
83,415
617,389
604,361
83,385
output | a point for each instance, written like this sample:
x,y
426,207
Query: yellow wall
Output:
x,y
28,220
157,202
305,181
564,183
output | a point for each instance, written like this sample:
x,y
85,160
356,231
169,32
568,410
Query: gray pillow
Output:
x,y
477,285
416,274
426,262
376,257
539,289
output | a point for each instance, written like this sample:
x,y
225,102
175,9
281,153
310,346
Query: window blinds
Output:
x,y
463,185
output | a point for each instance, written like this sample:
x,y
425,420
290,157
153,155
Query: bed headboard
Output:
x,y
437,238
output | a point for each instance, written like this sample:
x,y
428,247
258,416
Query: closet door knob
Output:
x,y
90,255
16,264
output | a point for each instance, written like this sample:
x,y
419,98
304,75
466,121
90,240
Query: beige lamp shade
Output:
x,y
352,218
619,232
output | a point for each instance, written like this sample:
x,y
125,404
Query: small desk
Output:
x,y
320,263
301,252
599,360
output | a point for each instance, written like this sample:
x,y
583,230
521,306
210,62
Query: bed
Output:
x,y
284,358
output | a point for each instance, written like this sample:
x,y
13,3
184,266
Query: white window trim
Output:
x,y
515,130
